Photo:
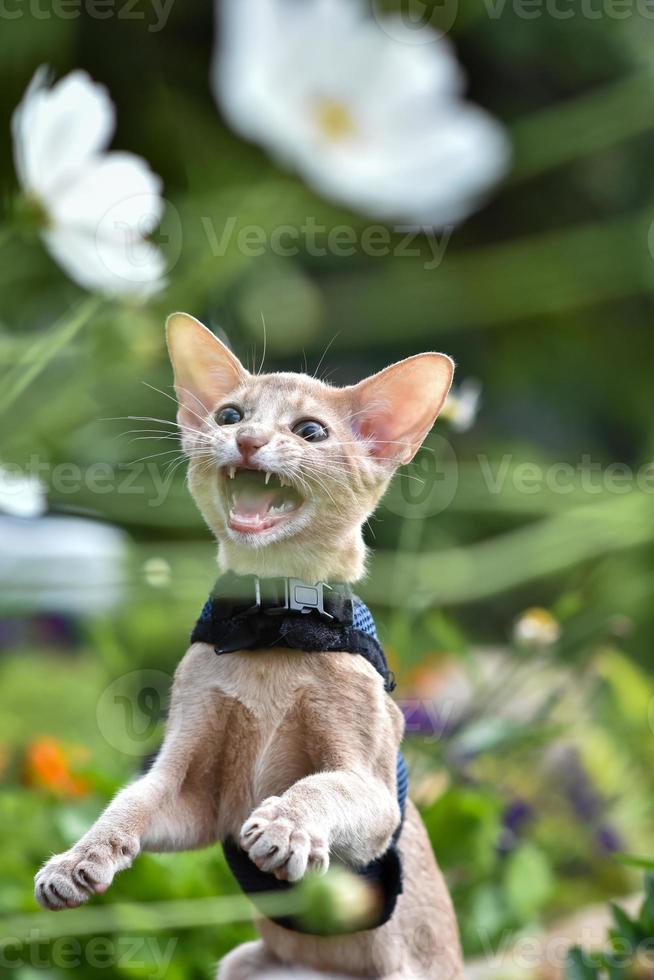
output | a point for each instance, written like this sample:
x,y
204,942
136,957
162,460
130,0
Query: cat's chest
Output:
x,y
268,683
267,750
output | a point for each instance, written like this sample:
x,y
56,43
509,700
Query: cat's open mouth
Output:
x,y
258,500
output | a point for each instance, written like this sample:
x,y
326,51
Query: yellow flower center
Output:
x,y
334,119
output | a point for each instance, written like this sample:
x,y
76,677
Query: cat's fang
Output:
x,y
267,478
232,472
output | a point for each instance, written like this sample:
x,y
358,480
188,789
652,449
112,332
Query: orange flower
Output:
x,y
49,766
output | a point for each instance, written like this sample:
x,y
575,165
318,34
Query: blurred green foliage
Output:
x,y
629,953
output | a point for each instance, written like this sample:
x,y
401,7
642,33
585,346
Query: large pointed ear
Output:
x,y
205,370
395,409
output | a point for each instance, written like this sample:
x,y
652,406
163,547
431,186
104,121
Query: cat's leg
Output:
x,y
147,812
349,805
253,961
347,812
246,962
156,812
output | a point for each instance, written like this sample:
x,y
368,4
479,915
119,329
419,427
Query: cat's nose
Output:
x,y
249,442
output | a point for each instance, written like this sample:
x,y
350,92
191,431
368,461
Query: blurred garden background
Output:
x,y
512,575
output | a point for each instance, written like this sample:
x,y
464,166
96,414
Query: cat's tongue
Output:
x,y
258,500
251,502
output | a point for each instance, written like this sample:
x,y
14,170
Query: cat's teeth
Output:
x,y
284,482
232,472
268,475
283,508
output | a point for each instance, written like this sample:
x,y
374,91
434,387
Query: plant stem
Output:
x,y
44,350
151,917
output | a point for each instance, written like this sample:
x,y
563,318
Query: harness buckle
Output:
x,y
300,597
305,598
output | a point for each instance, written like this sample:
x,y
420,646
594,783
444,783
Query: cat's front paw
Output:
x,y
278,842
70,879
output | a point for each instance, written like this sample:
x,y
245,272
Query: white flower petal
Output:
x,y
128,268
117,193
57,130
434,176
100,206
22,495
409,147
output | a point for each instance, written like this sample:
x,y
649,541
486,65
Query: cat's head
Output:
x,y
285,468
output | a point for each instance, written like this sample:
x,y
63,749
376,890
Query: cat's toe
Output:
x,y
55,886
277,843
67,880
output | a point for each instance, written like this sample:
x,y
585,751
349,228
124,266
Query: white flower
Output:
x,y
61,564
21,495
536,629
369,121
462,404
96,207
157,573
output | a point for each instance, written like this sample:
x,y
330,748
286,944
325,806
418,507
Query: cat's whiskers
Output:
x,y
265,342
404,476
152,438
324,354
384,442
316,479
337,476
144,459
204,419
312,470
203,459
173,466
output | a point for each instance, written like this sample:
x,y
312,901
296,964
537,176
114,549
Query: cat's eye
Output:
x,y
229,415
310,430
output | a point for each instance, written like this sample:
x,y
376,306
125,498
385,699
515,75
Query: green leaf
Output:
x,y
464,826
646,917
635,861
625,928
44,349
589,124
578,966
630,687
528,881
615,971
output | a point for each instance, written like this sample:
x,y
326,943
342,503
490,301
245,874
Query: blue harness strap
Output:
x,y
242,614
248,613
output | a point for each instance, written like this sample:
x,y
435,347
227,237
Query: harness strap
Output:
x,y
384,873
248,613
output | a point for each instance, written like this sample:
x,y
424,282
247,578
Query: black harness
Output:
x,y
248,613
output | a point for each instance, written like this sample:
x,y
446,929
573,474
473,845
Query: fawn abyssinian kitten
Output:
x,y
299,748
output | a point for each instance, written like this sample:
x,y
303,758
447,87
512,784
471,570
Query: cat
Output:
x,y
292,754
